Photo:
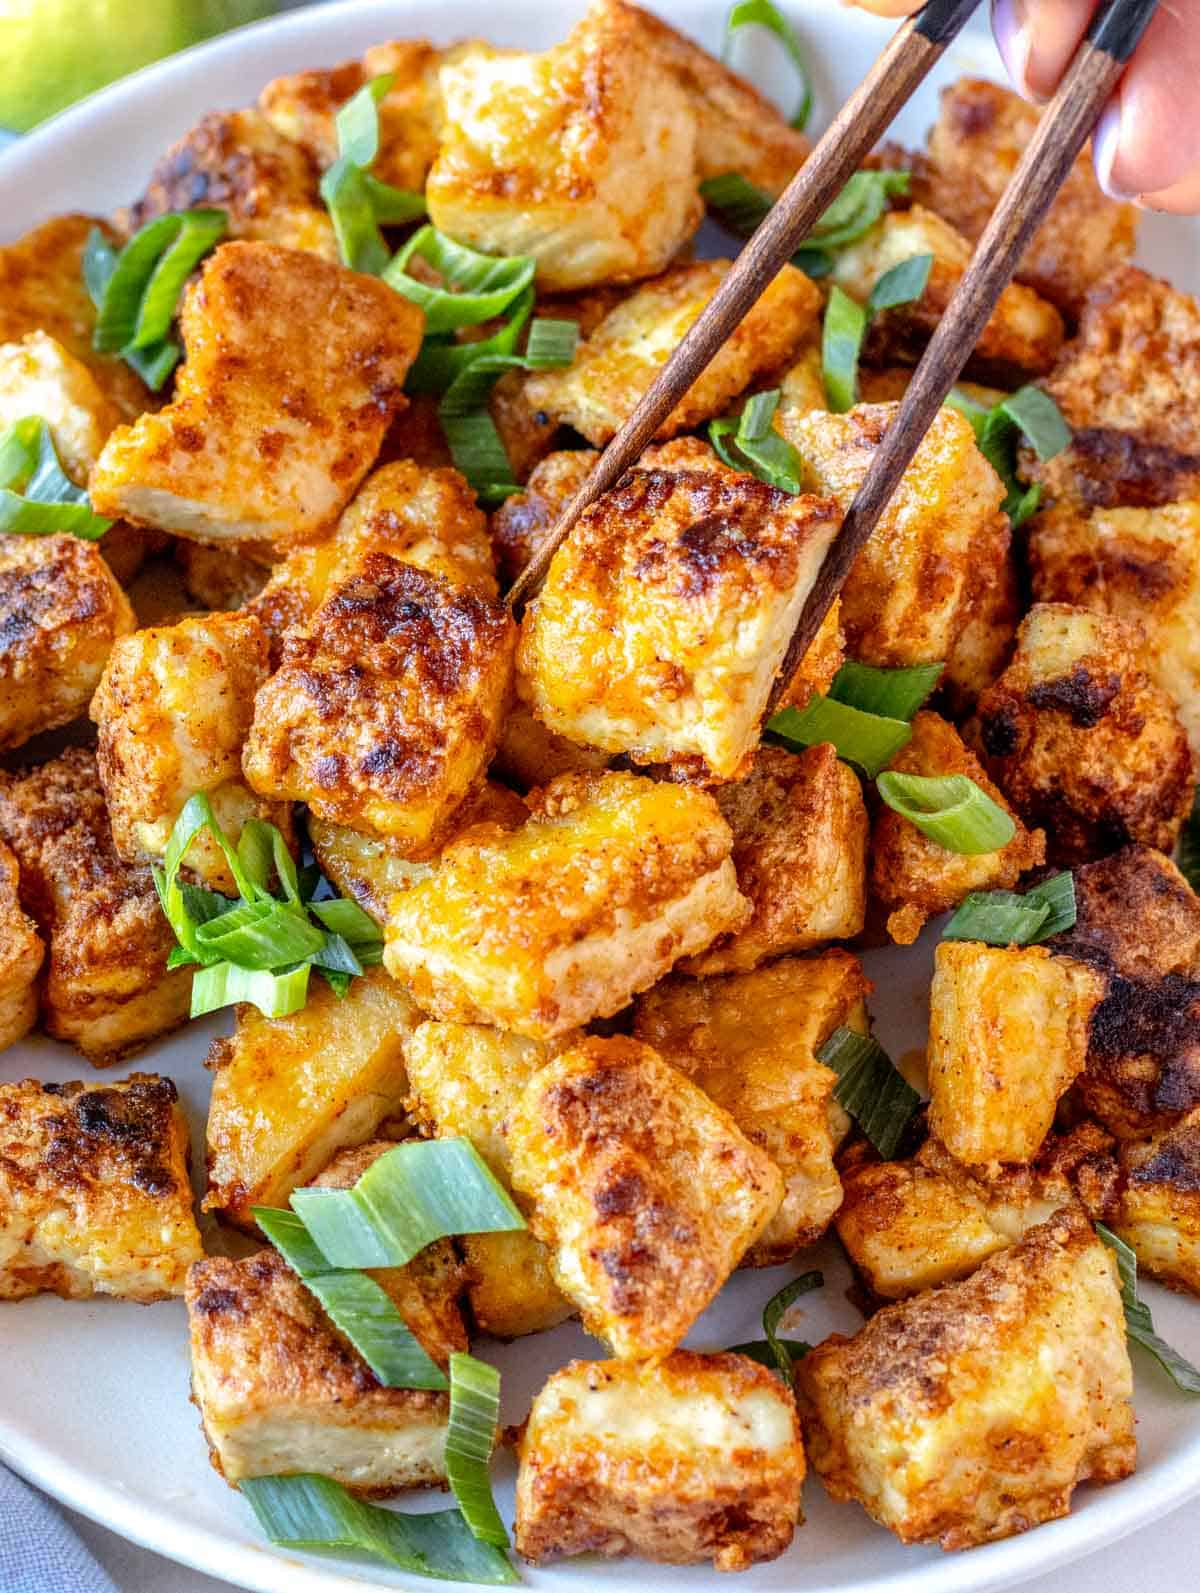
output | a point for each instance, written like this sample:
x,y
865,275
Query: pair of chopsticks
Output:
x,y
905,63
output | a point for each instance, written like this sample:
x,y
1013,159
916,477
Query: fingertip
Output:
x,y
1106,145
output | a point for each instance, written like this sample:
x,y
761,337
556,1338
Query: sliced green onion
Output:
x,y
890,693
357,202
305,1511
262,935
740,206
355,1304
117,314
336,956
752,443
48,500
868,740
422,1191
869,1087
1039,419
199,232
950,809
393,206
357,121
344,917
442,359
345,195
846,323
224,985
998,431
470,1437
1189,845
486,284
903,284
759,1350
761,13
1004,918
19,452
1139,1324
153,364
781,1354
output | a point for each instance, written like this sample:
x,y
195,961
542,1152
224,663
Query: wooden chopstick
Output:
x,y
866,115
1063,131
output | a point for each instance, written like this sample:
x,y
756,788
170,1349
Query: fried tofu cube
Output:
x,y
61,610
94,1192
464,1080
386,706
647,1192
1008,1035
1129,387
981,133
985,643
914,876
1081,741
1023,337
173,709
530,755
971,1411
21,954
800,852
628,875
583,157
749,1040
1160,1204
694,1458
289,1093
916,584
42,291
39,377
236,161
613,368
107,989
268,433
280,1390
1141,565
524,520
219,577
666,614
1138,922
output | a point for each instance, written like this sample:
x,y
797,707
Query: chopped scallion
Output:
x,y
1139,1324
771,1350
357,121
37,497
950,809
868,740
345,195
891,693
470,1437
903,284
761,13
751,443
222,984
1029,412
484,285
740,206
842,334
1003,918
870,1088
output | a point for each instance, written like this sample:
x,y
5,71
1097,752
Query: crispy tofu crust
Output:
x,y
39,377
914,876
974,146
800,852
627,875
970,1412
94,1192
530,755
21,954
646,1191
220,577
523,521
695,1458
1160,1204
107,989
1008,1035
1081,741
665,615
386,706
288,1093
583,156
61,610
268,435
617,363
749,1041
927,569
279,1389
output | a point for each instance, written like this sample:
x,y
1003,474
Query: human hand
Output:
x,y
1147,147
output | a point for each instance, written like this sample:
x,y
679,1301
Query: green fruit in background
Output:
x,y
53,52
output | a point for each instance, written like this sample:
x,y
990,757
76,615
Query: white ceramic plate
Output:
x,y
94,1397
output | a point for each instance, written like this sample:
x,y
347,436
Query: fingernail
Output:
x,y
1015,40
1106,146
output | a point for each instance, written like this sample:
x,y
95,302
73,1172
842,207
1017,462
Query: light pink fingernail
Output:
x,y
1014,39
1106,144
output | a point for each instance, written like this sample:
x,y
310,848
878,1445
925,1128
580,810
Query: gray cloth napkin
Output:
x,y
39,1552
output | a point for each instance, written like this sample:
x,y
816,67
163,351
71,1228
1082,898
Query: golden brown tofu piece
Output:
x,y
237,162
288,1093
749,1040
268,433
1139,564
1160,1204
985,643
94,1192
1008,1035
279,1389
1138,924
21,954
173,709
464,1080
800,851
107,989
1129,386
1023,337
693,1458
628,876
523,521
971,1411
666,614
974,146
303,106
61,610
42,290
39,377
529,754
219,577
1081,741
919,580
583,156
615,366
914,876
647,1192
386,705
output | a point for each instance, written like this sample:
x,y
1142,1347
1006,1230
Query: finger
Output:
x,y
1148,146
1037,39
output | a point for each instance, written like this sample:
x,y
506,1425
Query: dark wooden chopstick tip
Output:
x,y
1117,27
942,20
